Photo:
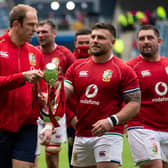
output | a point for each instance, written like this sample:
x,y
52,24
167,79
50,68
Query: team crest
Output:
x,y
154,148
56,61
166,70
107,75
75,156
32,59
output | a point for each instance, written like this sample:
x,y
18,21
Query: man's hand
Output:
x,y
46,133
43,97
32,76
100,127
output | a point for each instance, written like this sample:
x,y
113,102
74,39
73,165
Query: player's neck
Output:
x,y
48,48
15,39
153,58
103,58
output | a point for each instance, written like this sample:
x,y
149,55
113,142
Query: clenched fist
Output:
x,y
32,76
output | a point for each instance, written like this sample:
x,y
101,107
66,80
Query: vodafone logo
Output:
x,y
161,88
91,91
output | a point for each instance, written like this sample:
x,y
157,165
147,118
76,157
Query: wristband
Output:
x,y
111,123
113,120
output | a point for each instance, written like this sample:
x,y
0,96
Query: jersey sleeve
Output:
x,y
42,67
130,82
69,78
11,81
68,55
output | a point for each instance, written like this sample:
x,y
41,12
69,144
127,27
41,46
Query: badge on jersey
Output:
x,y
32,60
107,75
56,61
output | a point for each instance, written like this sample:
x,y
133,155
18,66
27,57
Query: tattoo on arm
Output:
x,y
134,96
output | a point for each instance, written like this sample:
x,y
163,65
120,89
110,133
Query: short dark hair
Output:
x,y
149,27
18,12
84,31
107,26
49,22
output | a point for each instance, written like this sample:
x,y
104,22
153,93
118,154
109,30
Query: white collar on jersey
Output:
x,y
55,46
111,56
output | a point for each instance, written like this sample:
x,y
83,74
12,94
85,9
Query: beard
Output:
x,y
45,44
145,54
148,53
99,52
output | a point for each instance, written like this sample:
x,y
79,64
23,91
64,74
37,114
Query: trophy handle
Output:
x,y
59,102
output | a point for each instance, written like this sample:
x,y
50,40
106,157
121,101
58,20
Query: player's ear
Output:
x,y
54,32
113,41
15,23
159,41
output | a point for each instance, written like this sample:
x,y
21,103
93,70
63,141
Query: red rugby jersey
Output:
x,y
153,77
99,88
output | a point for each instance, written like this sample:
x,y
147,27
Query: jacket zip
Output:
x,y
19,66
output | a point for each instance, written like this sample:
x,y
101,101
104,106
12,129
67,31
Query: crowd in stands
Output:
x,y
132,20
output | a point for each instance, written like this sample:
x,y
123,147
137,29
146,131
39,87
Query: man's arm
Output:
x,y
131,108
11,81
68,90
16,80
73,122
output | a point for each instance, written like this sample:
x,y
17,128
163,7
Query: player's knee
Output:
x,y
53,149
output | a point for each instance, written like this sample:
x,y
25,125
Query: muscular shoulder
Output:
x,y
4,38
63,49
119,64
79,63
134,62
164,59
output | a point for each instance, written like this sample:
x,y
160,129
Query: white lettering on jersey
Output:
x,y
3,54
83,73
89,102
145,73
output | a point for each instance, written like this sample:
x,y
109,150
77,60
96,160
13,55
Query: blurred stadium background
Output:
x,y
72,15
